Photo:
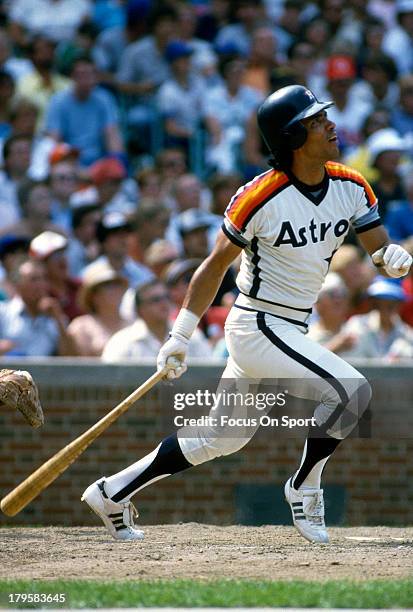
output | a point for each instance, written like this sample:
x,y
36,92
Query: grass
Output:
x,y
222,593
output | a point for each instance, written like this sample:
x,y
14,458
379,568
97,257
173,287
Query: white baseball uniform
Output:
x,y
289,234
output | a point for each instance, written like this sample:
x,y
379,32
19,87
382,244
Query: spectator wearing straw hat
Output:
x,y
100,297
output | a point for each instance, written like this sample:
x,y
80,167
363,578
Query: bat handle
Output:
x,y
378,257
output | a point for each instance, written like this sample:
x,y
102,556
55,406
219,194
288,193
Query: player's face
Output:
x,y
322,141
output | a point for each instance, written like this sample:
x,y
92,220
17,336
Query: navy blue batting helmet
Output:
x,y
279,117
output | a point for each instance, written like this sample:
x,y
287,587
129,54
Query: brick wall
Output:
x,y
376,473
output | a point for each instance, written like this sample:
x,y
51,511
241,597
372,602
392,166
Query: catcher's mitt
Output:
x,y
18,390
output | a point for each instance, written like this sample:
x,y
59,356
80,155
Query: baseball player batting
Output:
x,y
287,223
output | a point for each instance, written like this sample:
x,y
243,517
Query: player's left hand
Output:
x,y
394,259
172,357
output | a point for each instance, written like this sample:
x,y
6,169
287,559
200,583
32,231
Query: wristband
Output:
x,y
185,324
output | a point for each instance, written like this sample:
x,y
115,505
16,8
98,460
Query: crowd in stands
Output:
x,y
126,126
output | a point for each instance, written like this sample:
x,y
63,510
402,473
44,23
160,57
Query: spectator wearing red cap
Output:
x,y
348,112
50,248
62,151
111,190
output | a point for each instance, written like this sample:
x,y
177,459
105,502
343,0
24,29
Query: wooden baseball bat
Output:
x,y
41,478
377,257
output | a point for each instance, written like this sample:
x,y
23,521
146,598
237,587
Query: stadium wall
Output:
x,y
368,482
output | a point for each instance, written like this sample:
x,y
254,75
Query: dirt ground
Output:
x,y
194,550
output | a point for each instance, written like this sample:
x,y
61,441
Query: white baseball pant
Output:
x,y
263,346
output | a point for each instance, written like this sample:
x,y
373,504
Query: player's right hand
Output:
x,y
172,357
394,260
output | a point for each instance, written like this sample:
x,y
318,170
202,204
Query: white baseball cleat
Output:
x,y
118,518
307,508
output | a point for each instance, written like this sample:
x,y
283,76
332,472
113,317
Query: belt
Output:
x,y
279,311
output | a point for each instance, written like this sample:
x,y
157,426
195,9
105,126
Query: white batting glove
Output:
x,y
394,259
172,357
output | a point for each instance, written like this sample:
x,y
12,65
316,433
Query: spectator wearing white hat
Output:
x,y
386,148
100,297
381,334
50,248
332,309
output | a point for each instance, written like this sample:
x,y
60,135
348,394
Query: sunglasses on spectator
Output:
x,y
172,163
336,293
65,177
156,299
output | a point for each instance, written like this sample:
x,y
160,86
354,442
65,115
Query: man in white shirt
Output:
x,y
144,338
